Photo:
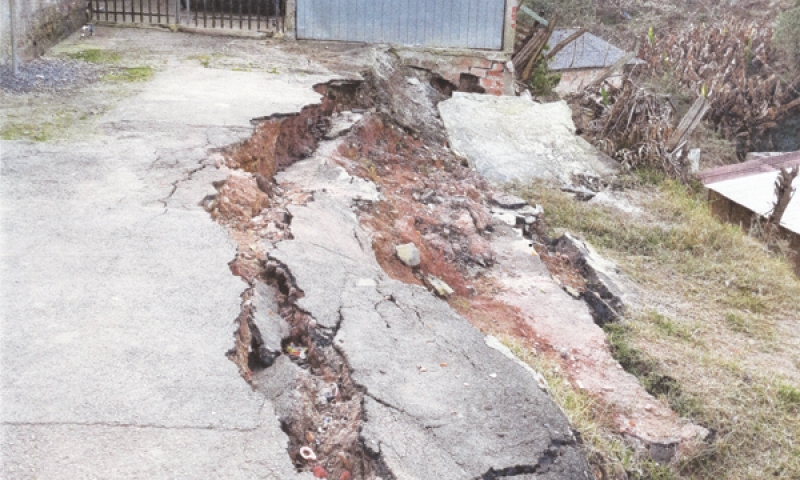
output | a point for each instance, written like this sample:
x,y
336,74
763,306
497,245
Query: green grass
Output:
x,y
95,55
38,132
609,455
17,131
131,74
715,328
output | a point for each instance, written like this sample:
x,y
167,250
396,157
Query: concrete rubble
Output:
x,y
408,253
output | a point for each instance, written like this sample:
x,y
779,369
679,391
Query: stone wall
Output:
x,y
38,24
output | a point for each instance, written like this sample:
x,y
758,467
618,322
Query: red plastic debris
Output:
x,y
319,472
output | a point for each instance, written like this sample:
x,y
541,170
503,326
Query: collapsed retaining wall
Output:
x,y
476,71
38,25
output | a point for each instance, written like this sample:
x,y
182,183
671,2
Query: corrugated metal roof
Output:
x,y
586,51
756,192
750,167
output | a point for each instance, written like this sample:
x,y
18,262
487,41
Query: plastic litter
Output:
x,y
308,454
296,352
331,392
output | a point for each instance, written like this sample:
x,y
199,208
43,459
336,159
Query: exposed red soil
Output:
x,y
562,269
448,229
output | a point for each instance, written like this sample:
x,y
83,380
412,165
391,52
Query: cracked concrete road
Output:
x,y
117,300
118,307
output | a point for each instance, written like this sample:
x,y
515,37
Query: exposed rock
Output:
x,y
439,287
408,254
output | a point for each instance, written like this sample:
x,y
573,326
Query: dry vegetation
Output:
x,y
715,330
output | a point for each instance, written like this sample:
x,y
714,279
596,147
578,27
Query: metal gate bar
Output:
x,y
258,15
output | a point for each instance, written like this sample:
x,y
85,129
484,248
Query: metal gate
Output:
x,y
434,23
256,15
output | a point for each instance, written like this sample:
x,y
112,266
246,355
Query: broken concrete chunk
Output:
x,y
342,123
270,326
513,138
505,216
439,286
510,202
581,193
603,295
408,254
572,292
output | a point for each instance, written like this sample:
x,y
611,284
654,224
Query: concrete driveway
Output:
x,y
118,303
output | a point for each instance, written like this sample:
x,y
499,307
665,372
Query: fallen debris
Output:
x,y
408,254
439,287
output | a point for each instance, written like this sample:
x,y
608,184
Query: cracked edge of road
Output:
x,y
323,418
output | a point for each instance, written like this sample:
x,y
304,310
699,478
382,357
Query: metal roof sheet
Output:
x,y
756,192
750,167
586,51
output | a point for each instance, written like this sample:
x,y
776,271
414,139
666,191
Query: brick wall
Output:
x,y
39,24
466,70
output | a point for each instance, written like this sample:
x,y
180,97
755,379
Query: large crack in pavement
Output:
x,y
371,377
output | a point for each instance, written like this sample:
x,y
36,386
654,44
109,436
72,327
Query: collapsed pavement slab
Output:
x,y
439,402
515,139
566,325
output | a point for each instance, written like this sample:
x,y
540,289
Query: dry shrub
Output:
x,y
730,63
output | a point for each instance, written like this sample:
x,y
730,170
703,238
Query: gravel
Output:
x,y
49,75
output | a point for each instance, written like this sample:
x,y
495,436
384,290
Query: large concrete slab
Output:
x,y
514,139
117,299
